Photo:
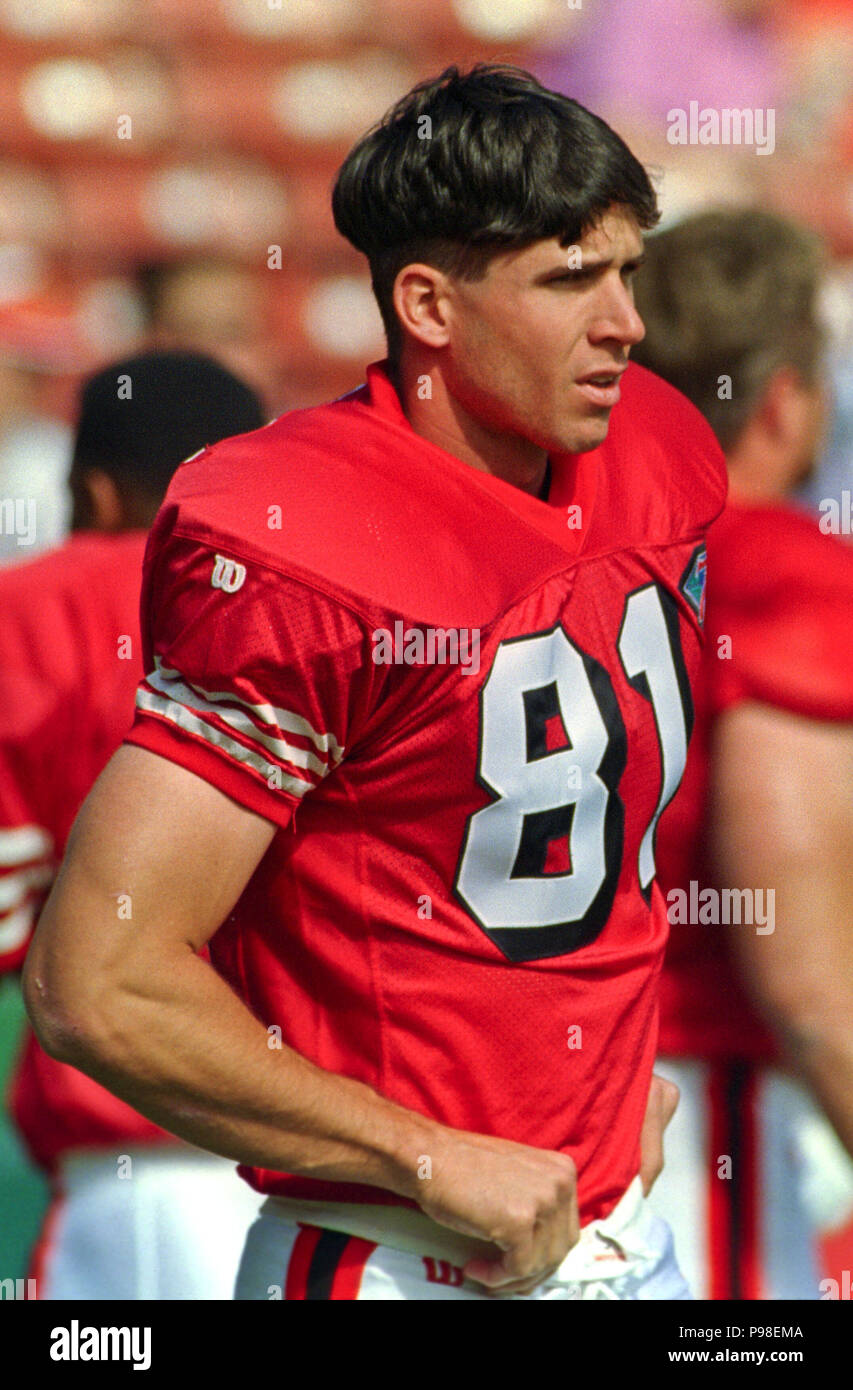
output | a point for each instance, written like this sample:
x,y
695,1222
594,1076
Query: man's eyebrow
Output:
x,y
601,263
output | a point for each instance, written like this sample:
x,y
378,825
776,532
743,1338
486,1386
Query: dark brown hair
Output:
x,y
472,163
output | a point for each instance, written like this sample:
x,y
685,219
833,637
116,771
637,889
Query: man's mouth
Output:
x,y
601,388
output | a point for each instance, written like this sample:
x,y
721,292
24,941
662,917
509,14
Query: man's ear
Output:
x,y
420,302
796,410
783,402
101,503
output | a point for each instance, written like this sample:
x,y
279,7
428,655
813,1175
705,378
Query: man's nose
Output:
x,y
618,318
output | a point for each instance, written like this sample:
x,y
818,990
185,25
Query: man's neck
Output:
x,y
546,483
443,421
759,471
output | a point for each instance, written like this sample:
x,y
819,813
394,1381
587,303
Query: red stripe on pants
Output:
x,y
749,1252
719,1206
733,1238
300,1262
347,1280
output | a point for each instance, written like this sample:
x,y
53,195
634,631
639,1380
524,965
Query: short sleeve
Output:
x,y
256,681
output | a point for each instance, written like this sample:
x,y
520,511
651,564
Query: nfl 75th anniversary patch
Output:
x,y
693,582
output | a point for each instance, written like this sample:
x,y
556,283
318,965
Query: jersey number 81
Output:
x,y
540,796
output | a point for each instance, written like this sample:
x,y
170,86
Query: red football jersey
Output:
x,y
70,661
783,593
464,708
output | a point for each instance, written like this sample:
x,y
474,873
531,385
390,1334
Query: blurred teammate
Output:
x,y
729,300
218,308
135,1214
418,689
37,341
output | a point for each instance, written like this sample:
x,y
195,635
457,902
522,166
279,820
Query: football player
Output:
x,y
418,689
135,1214
763,989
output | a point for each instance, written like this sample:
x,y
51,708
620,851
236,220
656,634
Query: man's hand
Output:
x,y
521,1200
663,1100
524,1200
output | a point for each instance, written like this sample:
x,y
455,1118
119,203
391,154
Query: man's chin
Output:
x,y
587,434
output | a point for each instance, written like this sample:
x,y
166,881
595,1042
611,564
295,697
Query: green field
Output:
x,y
23,1191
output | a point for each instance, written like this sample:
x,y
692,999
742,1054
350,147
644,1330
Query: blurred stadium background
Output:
x,y
165,169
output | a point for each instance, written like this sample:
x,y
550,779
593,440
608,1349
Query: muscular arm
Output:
x,y
124,996
782,818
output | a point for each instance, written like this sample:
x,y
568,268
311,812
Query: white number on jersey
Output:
x,y
541,795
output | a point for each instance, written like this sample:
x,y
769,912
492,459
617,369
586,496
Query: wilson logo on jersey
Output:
x,y
227,575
